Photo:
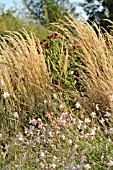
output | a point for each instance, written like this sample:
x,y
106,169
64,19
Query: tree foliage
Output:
x,y
10,20
97,10
48,11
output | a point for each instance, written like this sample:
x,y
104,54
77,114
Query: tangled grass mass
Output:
x,y
56,99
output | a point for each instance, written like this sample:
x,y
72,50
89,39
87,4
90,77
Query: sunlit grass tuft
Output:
x,y
95,49
24,75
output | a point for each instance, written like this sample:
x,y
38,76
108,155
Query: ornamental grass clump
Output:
x,y
64,137
23,74
95,65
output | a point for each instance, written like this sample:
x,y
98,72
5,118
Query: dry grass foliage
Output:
x,y
96,55
25,72
23,69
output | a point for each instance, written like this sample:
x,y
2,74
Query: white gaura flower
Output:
x,y
80,124
0,135
110,163
45,101
61,106
111,97
16,115
107,114
53,165
63,137
97,107
76,146
87,166
55,96
93,131
93,114
6,95
70,141
20,137
102,120
72,72
110,131
77,105
1,82
50,134
42,155
87,120
33,121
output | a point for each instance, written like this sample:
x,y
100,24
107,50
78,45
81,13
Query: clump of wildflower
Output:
x,y
33,122
64,115
31,129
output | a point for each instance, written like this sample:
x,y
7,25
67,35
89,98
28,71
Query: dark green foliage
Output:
x,y
48,11
10,20
97,10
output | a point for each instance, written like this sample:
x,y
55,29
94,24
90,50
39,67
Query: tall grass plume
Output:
x,y
95,51
23,73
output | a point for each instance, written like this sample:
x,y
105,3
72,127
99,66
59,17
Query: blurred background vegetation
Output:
x,y
36,16
97,10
